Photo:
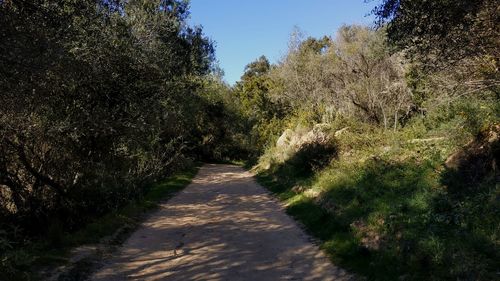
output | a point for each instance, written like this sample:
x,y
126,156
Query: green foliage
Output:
x,y
390,206
352,74
389,219
98,101
425,29
459,120
263,115
220,132
21,263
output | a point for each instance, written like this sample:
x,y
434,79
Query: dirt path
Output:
x,y
223,226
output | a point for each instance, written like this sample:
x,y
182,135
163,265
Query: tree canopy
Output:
x,y
442,32
98,99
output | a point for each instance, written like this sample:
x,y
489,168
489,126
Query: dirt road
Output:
x,y
223,226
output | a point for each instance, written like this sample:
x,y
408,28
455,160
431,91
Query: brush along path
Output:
x,y
223,226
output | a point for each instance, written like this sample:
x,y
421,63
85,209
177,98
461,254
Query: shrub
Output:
x,y
313,156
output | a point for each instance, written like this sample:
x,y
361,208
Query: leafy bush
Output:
x,y
93,111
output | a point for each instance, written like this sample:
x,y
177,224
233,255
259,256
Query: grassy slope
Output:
x,y
386,213
115,226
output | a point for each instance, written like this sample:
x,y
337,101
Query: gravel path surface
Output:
x,y
223,226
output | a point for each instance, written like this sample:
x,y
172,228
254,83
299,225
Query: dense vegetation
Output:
x,y
383,141
99,99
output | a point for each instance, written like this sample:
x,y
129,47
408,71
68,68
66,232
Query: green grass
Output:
x,y
112,228
427,232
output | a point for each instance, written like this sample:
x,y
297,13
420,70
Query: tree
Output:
x,y
352,74
98,99
454,45
439,34
441,30
259,67
256,105
253,90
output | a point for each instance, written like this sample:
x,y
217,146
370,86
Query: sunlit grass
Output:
x,y
424,232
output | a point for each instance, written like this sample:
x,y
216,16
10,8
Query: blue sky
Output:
x,y
244,30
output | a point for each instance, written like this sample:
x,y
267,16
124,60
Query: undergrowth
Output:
x,y
22,263
388,209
